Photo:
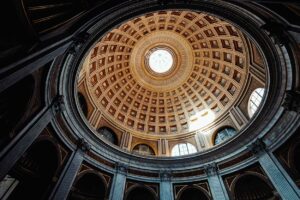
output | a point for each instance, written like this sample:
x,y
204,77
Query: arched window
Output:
x,y
224,134
183,149
255,100
108,135
143,149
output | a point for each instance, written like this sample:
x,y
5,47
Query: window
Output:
x,y
143,149
224,134
183,149
255,100
108,135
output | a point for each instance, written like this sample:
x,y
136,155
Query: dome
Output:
x,y
150,99
168,74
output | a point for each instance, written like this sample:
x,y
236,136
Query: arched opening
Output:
x,y
13,105
108,134
251,187
193,194
83,104
183,149
140,193
255,100
223,134
143,149
90,187
35,171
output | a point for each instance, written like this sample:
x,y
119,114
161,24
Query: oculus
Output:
x,y
160,61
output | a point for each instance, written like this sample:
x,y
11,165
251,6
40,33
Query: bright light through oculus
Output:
x,y
160,61
201,119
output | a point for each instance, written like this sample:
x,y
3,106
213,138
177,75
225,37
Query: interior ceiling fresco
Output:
x,y
206,62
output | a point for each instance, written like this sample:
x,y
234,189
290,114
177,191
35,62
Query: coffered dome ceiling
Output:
x,y
166,72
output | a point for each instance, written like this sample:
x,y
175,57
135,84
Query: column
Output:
x,y
166,187
284,185
118,184
64,184
11,154
216,183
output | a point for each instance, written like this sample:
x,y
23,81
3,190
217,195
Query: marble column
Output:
x,y
166,186
284,185
216,183
64,184
12,153
118,184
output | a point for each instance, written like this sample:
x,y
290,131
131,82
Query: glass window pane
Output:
x,y
183,149
255,100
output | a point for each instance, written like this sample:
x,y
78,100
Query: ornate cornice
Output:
x,y
257,147
59,104
83,145
211,169
165,175
121,168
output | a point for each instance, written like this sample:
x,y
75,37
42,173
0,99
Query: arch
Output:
x,y
255,100
140,193
143,149
223,134
193,193
83,104
90,186
36,170
252,187
108,134
183,149
14,102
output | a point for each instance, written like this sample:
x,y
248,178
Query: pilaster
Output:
x,y
215,182
166,187
68,176
11,154
279,178
118,184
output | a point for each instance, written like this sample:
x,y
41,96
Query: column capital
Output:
x,y
257,147
211,169
292,101
83,145
78,40
165,175
121,168
59,103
